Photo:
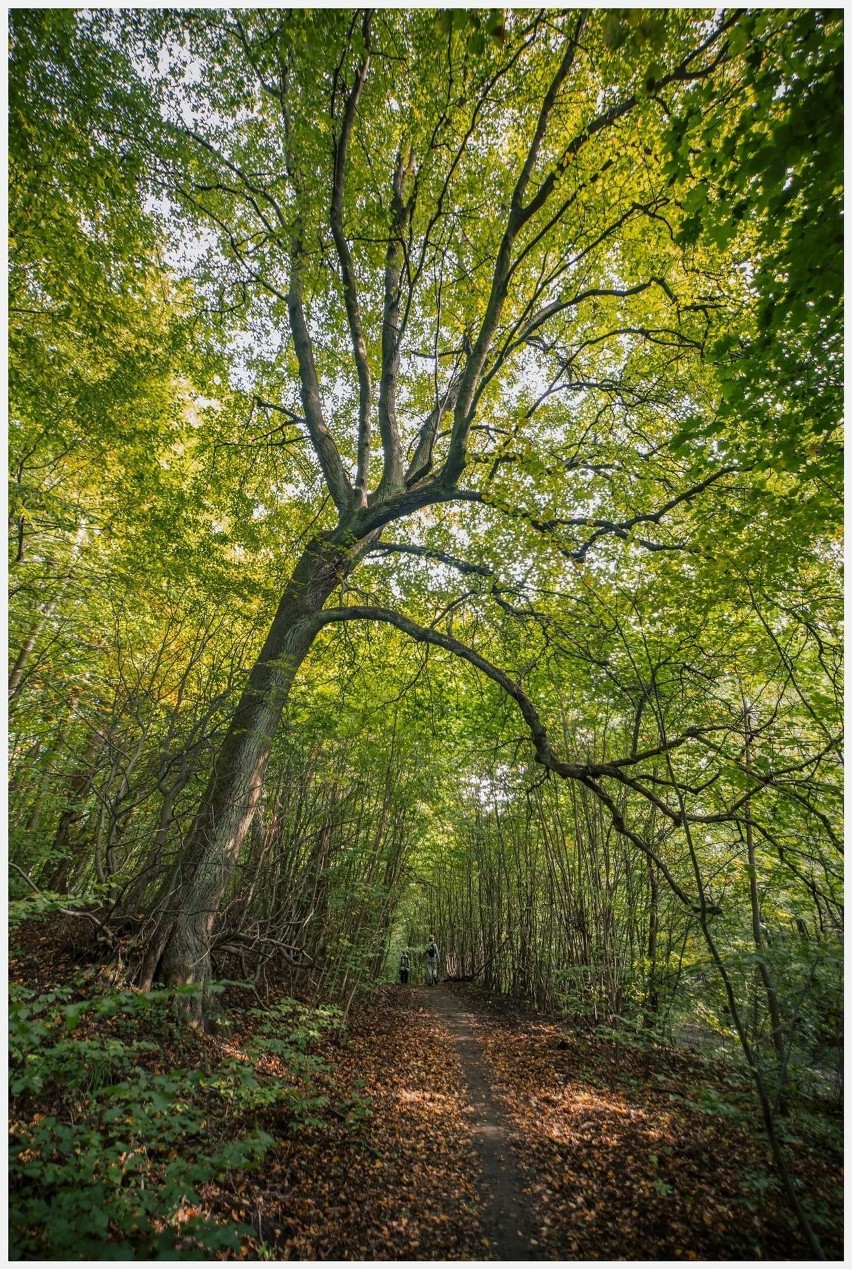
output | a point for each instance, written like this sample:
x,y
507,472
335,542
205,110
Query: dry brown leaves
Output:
x,y
622,1166
401,1185
619,1162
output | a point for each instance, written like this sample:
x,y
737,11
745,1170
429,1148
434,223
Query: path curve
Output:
x,y
506,1211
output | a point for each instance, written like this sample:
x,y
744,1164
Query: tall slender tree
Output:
x,y
464,224
494,284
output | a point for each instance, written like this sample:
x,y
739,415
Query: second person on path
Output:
x,y
431,955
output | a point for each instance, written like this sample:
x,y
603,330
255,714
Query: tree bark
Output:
x,y
652,993
757,933
178,949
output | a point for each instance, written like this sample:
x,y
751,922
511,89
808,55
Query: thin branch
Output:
x,y
402,208
344,255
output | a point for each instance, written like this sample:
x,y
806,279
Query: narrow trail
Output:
x,y
506,1214
449,1124
495,1134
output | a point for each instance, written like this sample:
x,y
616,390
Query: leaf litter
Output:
x,y
617,1156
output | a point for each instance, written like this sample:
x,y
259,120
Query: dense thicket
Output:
x,y
425,499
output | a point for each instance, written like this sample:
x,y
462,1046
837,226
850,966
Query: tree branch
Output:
x,y
324,446
421,463
402,207
521,213
518,216
350,294
321,438
586,773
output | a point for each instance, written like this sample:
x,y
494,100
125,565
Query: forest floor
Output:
x,y
497,1135
459,1127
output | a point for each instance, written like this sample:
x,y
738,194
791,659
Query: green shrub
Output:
x,y
113,1170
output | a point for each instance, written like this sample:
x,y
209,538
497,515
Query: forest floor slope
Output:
x,y
454,1126
600,1151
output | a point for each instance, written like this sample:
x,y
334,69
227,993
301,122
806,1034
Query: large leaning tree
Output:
x,y
511,280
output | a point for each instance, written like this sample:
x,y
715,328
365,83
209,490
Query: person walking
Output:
x,y
431,955
404,966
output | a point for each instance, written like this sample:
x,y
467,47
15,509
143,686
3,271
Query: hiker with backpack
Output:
x,y
431,955
404,966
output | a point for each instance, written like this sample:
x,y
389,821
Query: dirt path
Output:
x,y
446,1124
506,1214
495,1134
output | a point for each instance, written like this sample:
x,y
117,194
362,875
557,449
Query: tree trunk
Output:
x,y
178,950
652,995
757,933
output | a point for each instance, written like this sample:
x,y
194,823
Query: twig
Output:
x,y
90,916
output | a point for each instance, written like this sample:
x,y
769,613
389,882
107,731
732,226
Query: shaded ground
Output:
x,y
497,1136
504,1207
624,1159
460,1128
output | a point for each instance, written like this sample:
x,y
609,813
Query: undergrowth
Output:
x,y
119,1118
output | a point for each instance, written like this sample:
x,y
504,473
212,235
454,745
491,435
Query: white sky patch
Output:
x,y
491,789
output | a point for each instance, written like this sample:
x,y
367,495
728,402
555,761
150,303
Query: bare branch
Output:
x,y
402,207
350,294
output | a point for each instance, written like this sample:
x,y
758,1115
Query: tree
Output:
x,y
481,329
346,171
505,241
